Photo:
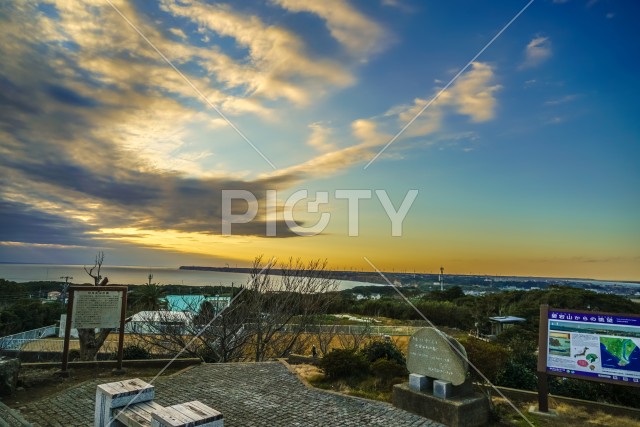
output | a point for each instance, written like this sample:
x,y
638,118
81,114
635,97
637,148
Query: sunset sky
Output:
x,y
123,122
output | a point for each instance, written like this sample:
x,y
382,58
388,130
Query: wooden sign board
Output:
x,y
95,307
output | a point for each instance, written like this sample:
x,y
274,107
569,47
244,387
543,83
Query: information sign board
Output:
x,y
590,345
96,309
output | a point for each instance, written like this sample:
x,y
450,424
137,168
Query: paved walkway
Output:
x,y
10,417
248,394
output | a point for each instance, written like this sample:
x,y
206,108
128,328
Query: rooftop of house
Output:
x,y
507,319
162,316
191,302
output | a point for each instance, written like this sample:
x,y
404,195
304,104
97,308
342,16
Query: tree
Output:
x,y
27,314
324,335
90,340
148,296
283,308
266,319
388,350
356,336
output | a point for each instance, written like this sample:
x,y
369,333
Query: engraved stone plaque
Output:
x,y
431,354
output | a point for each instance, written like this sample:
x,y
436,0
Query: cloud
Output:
x,y
472,95
398,4
562,100
22,223
277,53
320,137
178,33
358,33
94,131
537,51
363,130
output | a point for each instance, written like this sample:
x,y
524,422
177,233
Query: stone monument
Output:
x,y
9,369
439,384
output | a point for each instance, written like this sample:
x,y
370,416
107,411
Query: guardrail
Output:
x,y
56,346
16,341
354,329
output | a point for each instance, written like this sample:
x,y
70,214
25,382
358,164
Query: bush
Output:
x,y
135,352
386,370
208,355
383,350
74,355
517,375
489,358
343,364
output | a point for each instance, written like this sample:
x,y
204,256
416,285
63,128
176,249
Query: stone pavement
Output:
x,y
10,417
248,394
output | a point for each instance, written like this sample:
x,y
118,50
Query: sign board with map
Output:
x,y
602,347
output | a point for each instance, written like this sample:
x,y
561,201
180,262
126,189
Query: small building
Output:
x,y
360,297
53,296
500,323
193,303
159,322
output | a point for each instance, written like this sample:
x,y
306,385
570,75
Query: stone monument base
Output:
x,y
463,411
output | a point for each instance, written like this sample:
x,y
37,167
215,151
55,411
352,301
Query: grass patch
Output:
x,y
368,387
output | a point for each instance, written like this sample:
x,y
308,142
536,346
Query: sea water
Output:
x,y
130,275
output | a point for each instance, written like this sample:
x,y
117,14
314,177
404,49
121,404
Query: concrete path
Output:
x,y
248,394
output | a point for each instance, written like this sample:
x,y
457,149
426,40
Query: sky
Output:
x,y
486,137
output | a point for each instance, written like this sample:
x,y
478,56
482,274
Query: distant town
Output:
x,y
470,284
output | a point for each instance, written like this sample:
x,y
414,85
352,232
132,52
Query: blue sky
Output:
x,y
526,164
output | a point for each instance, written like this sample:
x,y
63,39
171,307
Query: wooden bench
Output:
x,y
130,403
193,413
137,415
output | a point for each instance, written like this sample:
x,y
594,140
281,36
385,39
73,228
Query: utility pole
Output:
x,y
441,278
64,289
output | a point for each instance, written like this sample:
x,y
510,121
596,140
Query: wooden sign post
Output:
x,y
543,383
95,307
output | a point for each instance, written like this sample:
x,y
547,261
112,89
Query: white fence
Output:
x,y
16,341
353,329
57,345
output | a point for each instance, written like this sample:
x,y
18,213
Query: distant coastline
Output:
x,y
354,276
373,277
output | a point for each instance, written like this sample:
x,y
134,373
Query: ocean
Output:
x,y
127,275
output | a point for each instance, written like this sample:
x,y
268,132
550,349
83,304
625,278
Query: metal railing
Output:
x,y
57,345
353,329
16,341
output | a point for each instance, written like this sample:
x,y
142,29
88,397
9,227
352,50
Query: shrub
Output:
x,y
74,355
489,358
343,364
208,355
135,352
517,375
383,350
386,370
